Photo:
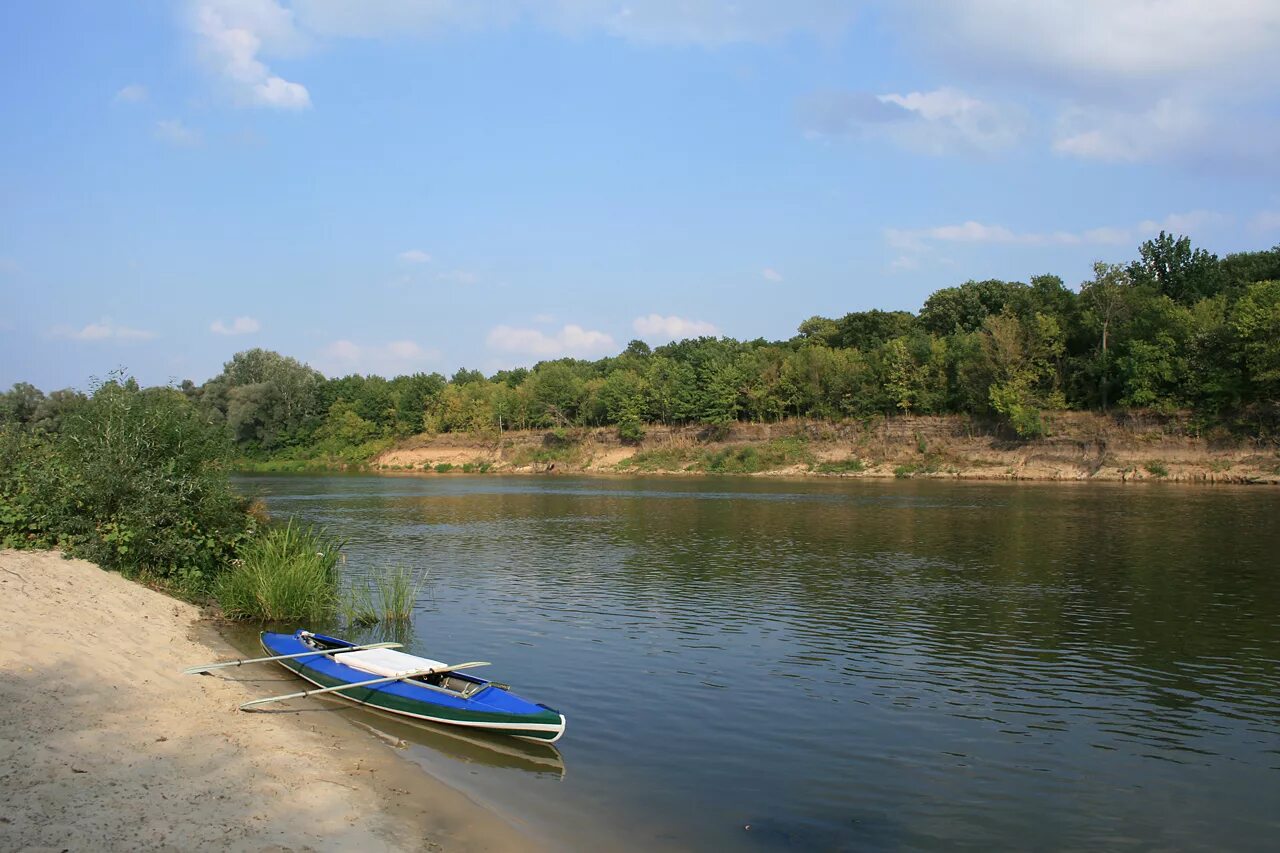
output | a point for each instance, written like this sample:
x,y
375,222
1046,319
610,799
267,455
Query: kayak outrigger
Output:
x,y
406,684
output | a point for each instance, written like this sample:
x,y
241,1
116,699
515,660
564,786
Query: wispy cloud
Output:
x,y
233,33
174,132
238,326
770,274
918,240
936,122
571,340
414,256
386,359
103,330
671,327
458,277
134,93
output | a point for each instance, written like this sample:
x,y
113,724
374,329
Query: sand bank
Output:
x,y
104,745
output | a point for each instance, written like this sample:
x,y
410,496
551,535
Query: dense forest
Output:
x,y
1178,328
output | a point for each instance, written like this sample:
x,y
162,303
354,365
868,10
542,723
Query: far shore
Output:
x,y
106,745
1079,447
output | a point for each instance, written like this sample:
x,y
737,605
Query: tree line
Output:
x,y
1177,328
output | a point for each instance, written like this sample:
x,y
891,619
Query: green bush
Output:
x,y
136,481
288,572
444,468
1157,469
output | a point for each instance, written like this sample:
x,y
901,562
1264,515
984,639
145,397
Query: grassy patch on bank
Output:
x,y
288,572
852,465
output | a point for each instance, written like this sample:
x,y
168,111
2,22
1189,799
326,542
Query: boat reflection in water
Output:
x,y
464,746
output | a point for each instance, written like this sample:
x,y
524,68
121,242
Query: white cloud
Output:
x,y
571,340
700,22
670,328
1112,42
935,122
414,256
916,241
239,326
393,358
458,277
103,330
770,274
134,93
232,33
174,132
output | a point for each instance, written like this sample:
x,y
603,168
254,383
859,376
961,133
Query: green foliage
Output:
x,y
444,467
658,459
135,481
1157,469
751,459
285,572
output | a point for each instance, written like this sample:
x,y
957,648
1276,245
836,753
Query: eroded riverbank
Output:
x,y
1081,446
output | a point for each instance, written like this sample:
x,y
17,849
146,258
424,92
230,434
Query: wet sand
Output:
x,y
104,744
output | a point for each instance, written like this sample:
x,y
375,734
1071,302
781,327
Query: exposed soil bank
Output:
x,y
1080,446
104,745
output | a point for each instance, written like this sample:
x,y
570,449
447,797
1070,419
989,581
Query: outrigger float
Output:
x,y
403,684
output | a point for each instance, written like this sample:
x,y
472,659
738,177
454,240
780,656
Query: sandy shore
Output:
x,y
104,745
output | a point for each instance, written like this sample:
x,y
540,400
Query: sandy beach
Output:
x,y
105,745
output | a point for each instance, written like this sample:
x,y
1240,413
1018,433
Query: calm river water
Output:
x,y
847,665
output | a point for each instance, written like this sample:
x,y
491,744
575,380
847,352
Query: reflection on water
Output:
x,y
850,665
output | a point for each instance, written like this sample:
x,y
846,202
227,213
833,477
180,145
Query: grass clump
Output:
x,y
852,465
1157,469
288,572
750,459
444,468
658,459
388,597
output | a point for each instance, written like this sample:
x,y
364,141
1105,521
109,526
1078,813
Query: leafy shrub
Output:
x,y
444,468
288,572
136,482
1157,469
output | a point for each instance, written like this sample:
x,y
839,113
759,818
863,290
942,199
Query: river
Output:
x,y
751,663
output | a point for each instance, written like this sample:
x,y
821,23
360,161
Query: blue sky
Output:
x,y
399,185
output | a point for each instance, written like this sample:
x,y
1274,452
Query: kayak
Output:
x,y
444,696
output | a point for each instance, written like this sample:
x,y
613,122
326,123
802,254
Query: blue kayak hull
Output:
x,y
487,707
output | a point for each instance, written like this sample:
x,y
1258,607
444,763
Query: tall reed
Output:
x,y
288,572
388,597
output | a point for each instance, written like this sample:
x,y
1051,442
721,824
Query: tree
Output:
x,y
19,404
964,308
1106,301
1173,268
1255,320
